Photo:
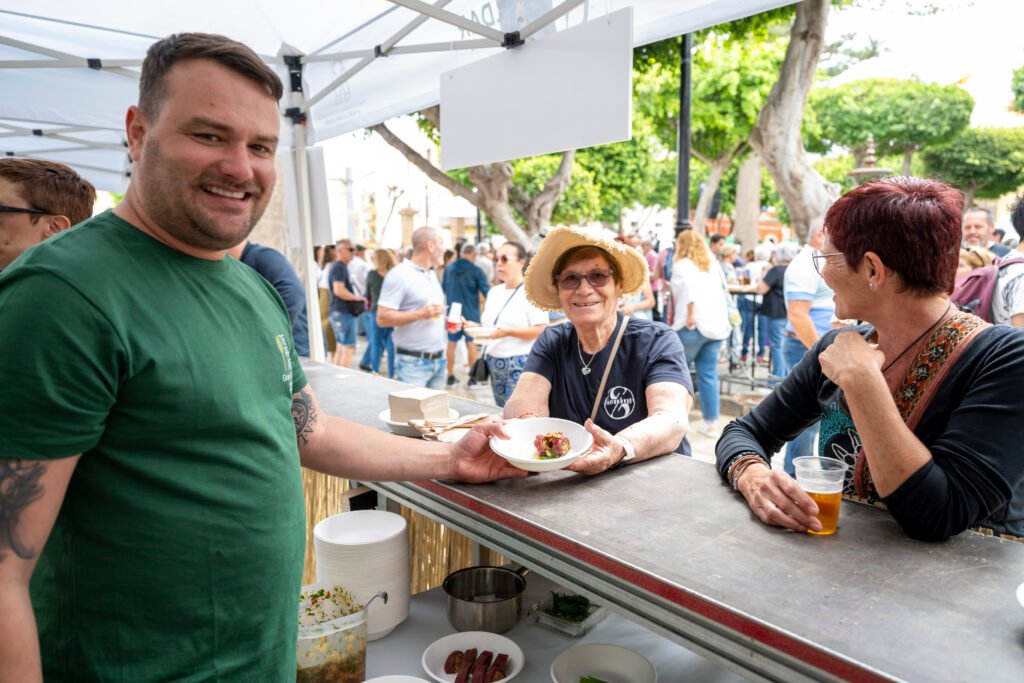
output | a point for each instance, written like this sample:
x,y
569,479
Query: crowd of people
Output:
x,y
158,385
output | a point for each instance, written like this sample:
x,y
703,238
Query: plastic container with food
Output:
x,y
332,636
568,613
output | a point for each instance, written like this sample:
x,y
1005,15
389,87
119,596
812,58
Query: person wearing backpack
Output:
x,y
994,293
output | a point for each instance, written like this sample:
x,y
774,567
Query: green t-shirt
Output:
x,y
177,554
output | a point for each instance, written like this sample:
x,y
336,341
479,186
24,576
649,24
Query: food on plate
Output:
x,y
453,662
551,445
476,669
591,679
574,608
468,660
480,668
418,404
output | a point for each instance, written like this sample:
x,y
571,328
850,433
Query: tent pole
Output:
x,y
683,137
297,114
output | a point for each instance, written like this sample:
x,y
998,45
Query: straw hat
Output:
x,y
540,286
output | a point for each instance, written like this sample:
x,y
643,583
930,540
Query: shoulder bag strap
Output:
x,y
483,352
608,368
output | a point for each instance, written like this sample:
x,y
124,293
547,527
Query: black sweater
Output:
x,y
973,428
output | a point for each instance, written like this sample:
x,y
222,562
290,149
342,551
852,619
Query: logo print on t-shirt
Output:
x,y
286,357
619,403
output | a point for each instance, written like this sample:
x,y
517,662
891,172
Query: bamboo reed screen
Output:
x,y
434,550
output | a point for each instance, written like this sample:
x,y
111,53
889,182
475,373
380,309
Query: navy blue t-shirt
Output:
x,y
276,270
339,273
650,352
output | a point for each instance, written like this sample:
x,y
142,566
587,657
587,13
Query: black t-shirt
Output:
x,y
650,352
339,272
774,302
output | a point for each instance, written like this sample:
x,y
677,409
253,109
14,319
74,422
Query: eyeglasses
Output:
x,y
506,259
20,209
819,259
597,278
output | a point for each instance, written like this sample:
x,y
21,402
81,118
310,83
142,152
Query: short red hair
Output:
x,y
911,223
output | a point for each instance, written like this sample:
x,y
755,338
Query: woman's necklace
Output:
x,y
586,364
920,337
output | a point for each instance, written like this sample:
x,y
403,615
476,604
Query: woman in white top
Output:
x,y
701,318
517,322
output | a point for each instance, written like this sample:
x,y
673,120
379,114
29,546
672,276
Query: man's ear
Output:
x,y
135,126
55,225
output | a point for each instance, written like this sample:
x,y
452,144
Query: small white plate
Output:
x,y
519,450
396,679
404,428
435,655
611,663
482,332
1020,594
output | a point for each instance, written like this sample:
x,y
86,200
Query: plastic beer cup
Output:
x,y
822,479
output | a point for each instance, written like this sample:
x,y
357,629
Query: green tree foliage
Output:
x,y
902,115
1017,85
981,162
581,201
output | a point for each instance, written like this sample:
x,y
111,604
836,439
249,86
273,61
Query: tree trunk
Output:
x,y
908,155
777,136
700,214
494,189
748,201
969,193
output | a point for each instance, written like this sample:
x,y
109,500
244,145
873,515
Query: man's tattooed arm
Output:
x,y
20,486
304,414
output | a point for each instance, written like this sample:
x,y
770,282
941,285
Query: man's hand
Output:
x,y
605,453
473,460
431,311
850,355
777,499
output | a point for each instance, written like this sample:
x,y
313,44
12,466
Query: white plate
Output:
x,y
1020,594
519,450
396,679
611,663
404,428
482,332
434,656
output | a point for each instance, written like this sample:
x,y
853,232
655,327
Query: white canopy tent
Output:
x,y
69,70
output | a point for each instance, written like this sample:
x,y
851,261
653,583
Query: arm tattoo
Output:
x,y
304,415
19,487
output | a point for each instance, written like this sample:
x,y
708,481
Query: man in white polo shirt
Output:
x,y
411,301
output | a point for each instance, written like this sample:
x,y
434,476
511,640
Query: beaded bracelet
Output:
x,y
739,465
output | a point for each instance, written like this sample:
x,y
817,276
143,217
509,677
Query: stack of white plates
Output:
x,y
364,552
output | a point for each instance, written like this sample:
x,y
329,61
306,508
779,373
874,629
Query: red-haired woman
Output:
x,y
923,402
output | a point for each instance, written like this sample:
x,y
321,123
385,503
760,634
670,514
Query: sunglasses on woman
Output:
x,y
506,259
598,277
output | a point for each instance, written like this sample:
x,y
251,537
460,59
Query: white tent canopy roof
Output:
x,y
364,62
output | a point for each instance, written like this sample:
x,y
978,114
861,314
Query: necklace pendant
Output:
x,y
585,370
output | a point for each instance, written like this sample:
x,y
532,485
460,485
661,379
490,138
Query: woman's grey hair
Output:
x,y
786,252
763,252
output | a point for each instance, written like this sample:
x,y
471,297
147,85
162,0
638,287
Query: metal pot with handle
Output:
x,y
485,598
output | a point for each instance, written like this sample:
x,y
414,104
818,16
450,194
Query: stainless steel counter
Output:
x,y
665,543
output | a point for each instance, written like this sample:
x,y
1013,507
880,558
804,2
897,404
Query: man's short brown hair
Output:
x,y
50,187
231,54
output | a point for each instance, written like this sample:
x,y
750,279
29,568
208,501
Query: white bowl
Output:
x,y
481,332
438,651
611,663
519,450
396,678
404,428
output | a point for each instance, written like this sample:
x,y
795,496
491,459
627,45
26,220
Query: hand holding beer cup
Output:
x,y
822,480
432,311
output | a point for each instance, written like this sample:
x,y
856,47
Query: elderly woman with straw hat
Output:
x,y
624,379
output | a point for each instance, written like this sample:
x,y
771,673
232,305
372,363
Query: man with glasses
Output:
x,y
810,310
38,199
412,302
346,304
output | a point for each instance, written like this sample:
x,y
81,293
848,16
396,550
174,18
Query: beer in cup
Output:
x,y
822,479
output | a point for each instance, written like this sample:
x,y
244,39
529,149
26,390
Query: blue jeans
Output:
x,y
378,340
776,328
794,350
344,326
422,372
749,310
703,353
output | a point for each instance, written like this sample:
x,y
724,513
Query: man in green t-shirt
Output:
x,y
154,415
